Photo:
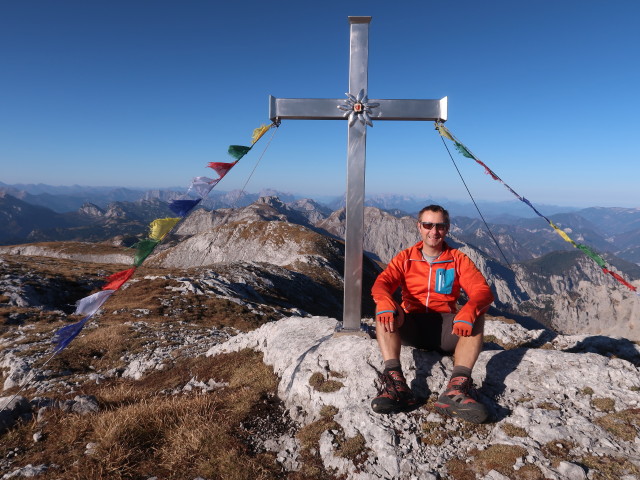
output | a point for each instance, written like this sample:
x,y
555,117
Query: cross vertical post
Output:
x,y
356,161
359,111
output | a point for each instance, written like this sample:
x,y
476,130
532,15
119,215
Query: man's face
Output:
x,y
433,237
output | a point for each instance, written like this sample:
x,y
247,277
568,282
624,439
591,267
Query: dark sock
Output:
x,y
393,364
460,371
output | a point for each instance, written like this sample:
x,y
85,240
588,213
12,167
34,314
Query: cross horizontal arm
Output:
x,y
327,109
416,110
305,108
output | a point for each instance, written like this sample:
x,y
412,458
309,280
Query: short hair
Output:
x,y
435,208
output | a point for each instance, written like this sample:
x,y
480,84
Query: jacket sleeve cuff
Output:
x,y
463,321
465,316
386,305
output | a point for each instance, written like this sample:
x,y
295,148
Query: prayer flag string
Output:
x,y
158,230
444,132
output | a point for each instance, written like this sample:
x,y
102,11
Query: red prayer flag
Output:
x,y
620,279
221,168
118,279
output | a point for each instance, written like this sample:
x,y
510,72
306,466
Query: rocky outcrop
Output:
x,y
267,208
534,404
91,210
276,242
384,234
313,211
84,252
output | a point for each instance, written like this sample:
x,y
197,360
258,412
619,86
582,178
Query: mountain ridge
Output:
x,y
563,290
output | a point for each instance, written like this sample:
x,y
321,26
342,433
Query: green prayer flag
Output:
x,y
463,150
143,250
238,151
597,258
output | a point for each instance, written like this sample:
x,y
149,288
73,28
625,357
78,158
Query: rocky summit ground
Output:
x,y
233,371
562,407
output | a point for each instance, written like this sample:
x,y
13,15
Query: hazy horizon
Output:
x,y
329,197
122,93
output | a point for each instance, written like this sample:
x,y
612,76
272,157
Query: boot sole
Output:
x,y
470,415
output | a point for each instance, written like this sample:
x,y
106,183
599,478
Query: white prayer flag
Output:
x,y
90,305
203,185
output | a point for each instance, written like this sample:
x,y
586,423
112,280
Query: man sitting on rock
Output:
x,y
431,274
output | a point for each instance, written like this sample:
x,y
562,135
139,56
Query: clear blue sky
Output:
x,y
146,93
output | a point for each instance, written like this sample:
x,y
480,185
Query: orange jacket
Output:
x,y
433,287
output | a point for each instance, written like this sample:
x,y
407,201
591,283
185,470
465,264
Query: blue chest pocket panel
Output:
x,y
444,280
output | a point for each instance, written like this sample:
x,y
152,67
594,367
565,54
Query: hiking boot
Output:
x,y
395,395
456,401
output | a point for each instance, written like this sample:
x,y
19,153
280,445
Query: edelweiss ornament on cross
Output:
x,y
360,112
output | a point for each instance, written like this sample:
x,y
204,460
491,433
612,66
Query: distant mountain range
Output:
x,y
543,278
40,212
63,199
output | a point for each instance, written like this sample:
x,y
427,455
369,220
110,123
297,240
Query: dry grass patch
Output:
x,y
98,349
164,305
604,404
497,341
513,430
500,458
557,450
610,468
139,433
352,448
141,293
10,316
459,470
325,385
433,433
309,438
529,472
624,424
587,391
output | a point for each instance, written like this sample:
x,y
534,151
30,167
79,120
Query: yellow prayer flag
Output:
x,y
259,132
161,226
444,132
563,235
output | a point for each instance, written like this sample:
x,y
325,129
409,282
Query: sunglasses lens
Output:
x,y
439,226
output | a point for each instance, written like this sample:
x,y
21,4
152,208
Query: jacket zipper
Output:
x,y
428,287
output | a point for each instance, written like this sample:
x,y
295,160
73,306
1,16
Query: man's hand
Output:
x,y
462,328
387,319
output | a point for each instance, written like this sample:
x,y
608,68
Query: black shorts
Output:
x,y
432,331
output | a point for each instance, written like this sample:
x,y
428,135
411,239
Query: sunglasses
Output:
x,y
441,227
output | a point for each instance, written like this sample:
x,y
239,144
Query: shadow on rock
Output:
x,y
425,361
498,368
608,347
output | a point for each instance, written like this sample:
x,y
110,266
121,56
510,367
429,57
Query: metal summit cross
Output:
x,y
360,111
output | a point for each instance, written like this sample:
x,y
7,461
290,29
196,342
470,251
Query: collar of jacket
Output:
x,y
415,252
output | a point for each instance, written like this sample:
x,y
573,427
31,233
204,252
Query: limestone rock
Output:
x,y
523,387
82,255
